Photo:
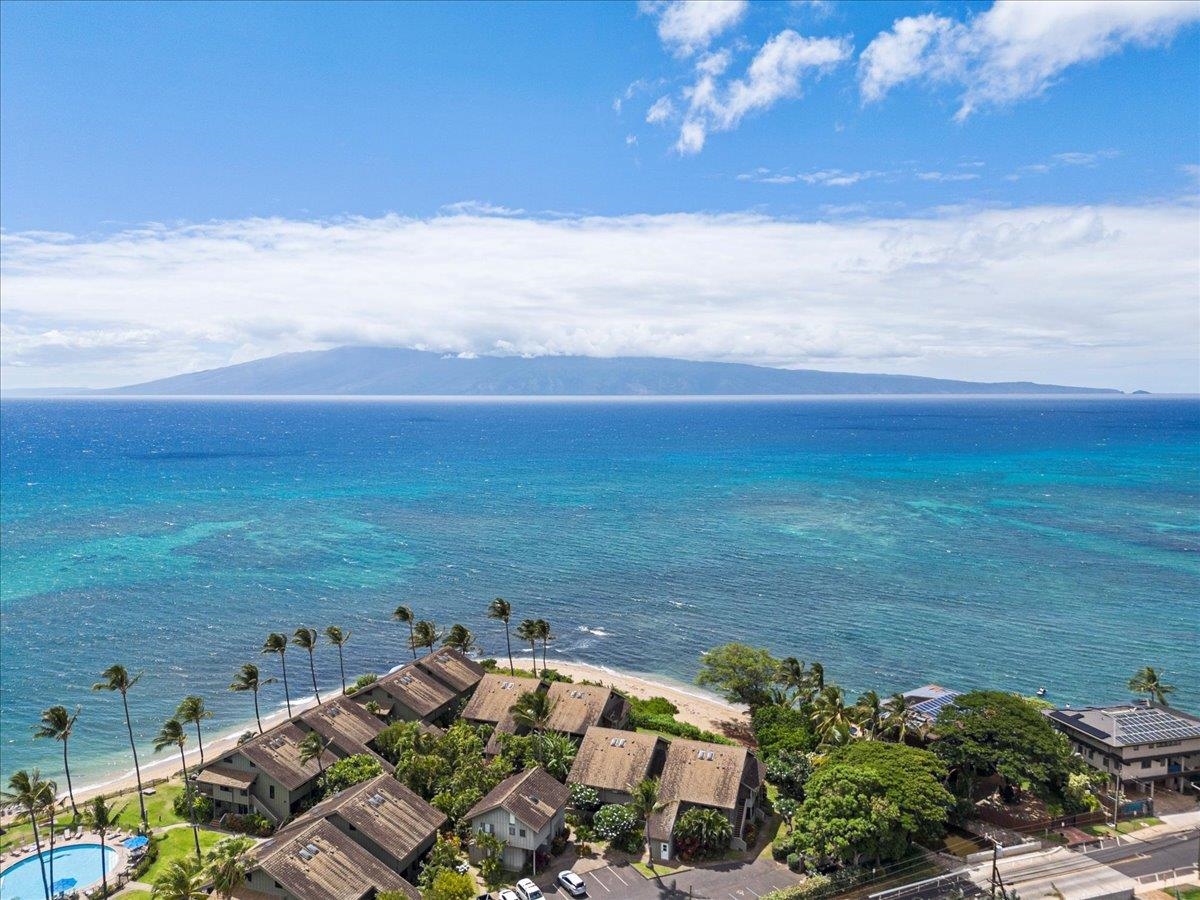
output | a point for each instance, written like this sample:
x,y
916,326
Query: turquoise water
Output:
x,y
82,862
1015,543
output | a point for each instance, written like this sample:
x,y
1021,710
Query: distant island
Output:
x,y
382,371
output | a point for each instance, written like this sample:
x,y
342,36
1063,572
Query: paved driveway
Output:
x,y
728,881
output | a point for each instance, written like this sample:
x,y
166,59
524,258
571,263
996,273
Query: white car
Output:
x,y
572,884
529,891
506,894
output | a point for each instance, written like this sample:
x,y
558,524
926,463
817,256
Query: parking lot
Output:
x,y
730,881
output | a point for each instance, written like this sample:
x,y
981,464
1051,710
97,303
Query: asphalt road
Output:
x,y
1174,851
732,881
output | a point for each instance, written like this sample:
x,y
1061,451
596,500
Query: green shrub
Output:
x,y
584,798
350,771
669,725
251,823
363,680
202,805
793,861
654,706
780,728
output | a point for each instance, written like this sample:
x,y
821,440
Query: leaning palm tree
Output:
x,y
501,610
32,793
544,635
1148,680
900,719
459,638
831,718
117,678
228,864
277,643
425,634
306,639
869,715
192,711
172,733
249,679
816,678
405,614
182,879
794,678
532,711
528,631
338,638
57,723
102,818
313,747
644,803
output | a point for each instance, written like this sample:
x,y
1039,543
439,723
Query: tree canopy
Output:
x,y
985,733
350,771
741,673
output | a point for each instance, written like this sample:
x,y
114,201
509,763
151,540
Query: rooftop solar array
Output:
x,y
933,705
1150,726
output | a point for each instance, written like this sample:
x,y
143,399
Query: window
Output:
x,y
522,832
512,830
271,791
1145,763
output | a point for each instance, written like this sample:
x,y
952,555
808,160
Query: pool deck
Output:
x,y
112,840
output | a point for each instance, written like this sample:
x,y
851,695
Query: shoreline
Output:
x,y
696,707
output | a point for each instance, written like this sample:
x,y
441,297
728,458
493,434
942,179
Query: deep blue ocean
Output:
x,y
1012,543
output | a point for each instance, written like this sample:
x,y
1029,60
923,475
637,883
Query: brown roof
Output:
x,y
533,796
225,776
578,706
386,812
412,687
614,760
277,753
452,668
317,862
345,722
704,774
494,695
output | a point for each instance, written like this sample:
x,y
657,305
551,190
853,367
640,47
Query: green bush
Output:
x,y
350,771
669,725
251,823
793,861
779,729
202,805
654,706
584,798
363,680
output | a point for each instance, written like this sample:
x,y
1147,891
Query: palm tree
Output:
x,y
528,631
227,865
831,719
248,679
116,678
172,733
182,879
313,747
338,638
57,723
277,643
306,638
501,610
869,713
425,634
544,635
33,794
816,677
532,710
192,711
558,753
900,719
1149,681
460,638
102,818
405,614
794,678
643,804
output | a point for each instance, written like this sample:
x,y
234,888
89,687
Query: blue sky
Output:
x,y
524,125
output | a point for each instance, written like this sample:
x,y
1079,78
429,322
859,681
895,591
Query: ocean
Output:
x,y
1008,543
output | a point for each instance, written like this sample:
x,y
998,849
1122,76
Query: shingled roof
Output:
x,y
385,811
495,695
317,862
346,723
579,706
698,773
415,689
533,796
452,668
614,760
277,753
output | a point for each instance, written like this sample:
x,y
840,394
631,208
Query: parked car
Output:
x,y
507,894
484,896
572,884
529,891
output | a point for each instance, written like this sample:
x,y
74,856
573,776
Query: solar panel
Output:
x,y
1152,726
934,705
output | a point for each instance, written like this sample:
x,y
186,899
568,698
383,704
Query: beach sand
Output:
x,y
696,707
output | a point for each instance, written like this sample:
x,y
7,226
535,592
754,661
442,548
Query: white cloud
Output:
x,y
1075,294
947,176
688,26
631,140
661,110
774,74
825,177
1075,158
480,208
1014,50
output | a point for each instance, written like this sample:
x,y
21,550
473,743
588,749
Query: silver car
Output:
x,y
572,884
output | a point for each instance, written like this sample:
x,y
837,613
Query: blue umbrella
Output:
x,y
134,842
62,885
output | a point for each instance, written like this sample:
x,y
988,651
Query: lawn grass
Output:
x,y
159,809
659,871
136,895
1127,827
1185,891
177,844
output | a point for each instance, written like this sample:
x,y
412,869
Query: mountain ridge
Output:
x,y
393,371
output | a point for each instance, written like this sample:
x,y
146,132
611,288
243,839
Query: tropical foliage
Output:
x,y
1148,681
702,833
350,771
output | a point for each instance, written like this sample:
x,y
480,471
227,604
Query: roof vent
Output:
x,y
312,848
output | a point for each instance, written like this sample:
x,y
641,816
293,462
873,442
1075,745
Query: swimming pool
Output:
x,y
23,881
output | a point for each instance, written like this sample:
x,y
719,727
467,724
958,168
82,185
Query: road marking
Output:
x,y
596,878
617,876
